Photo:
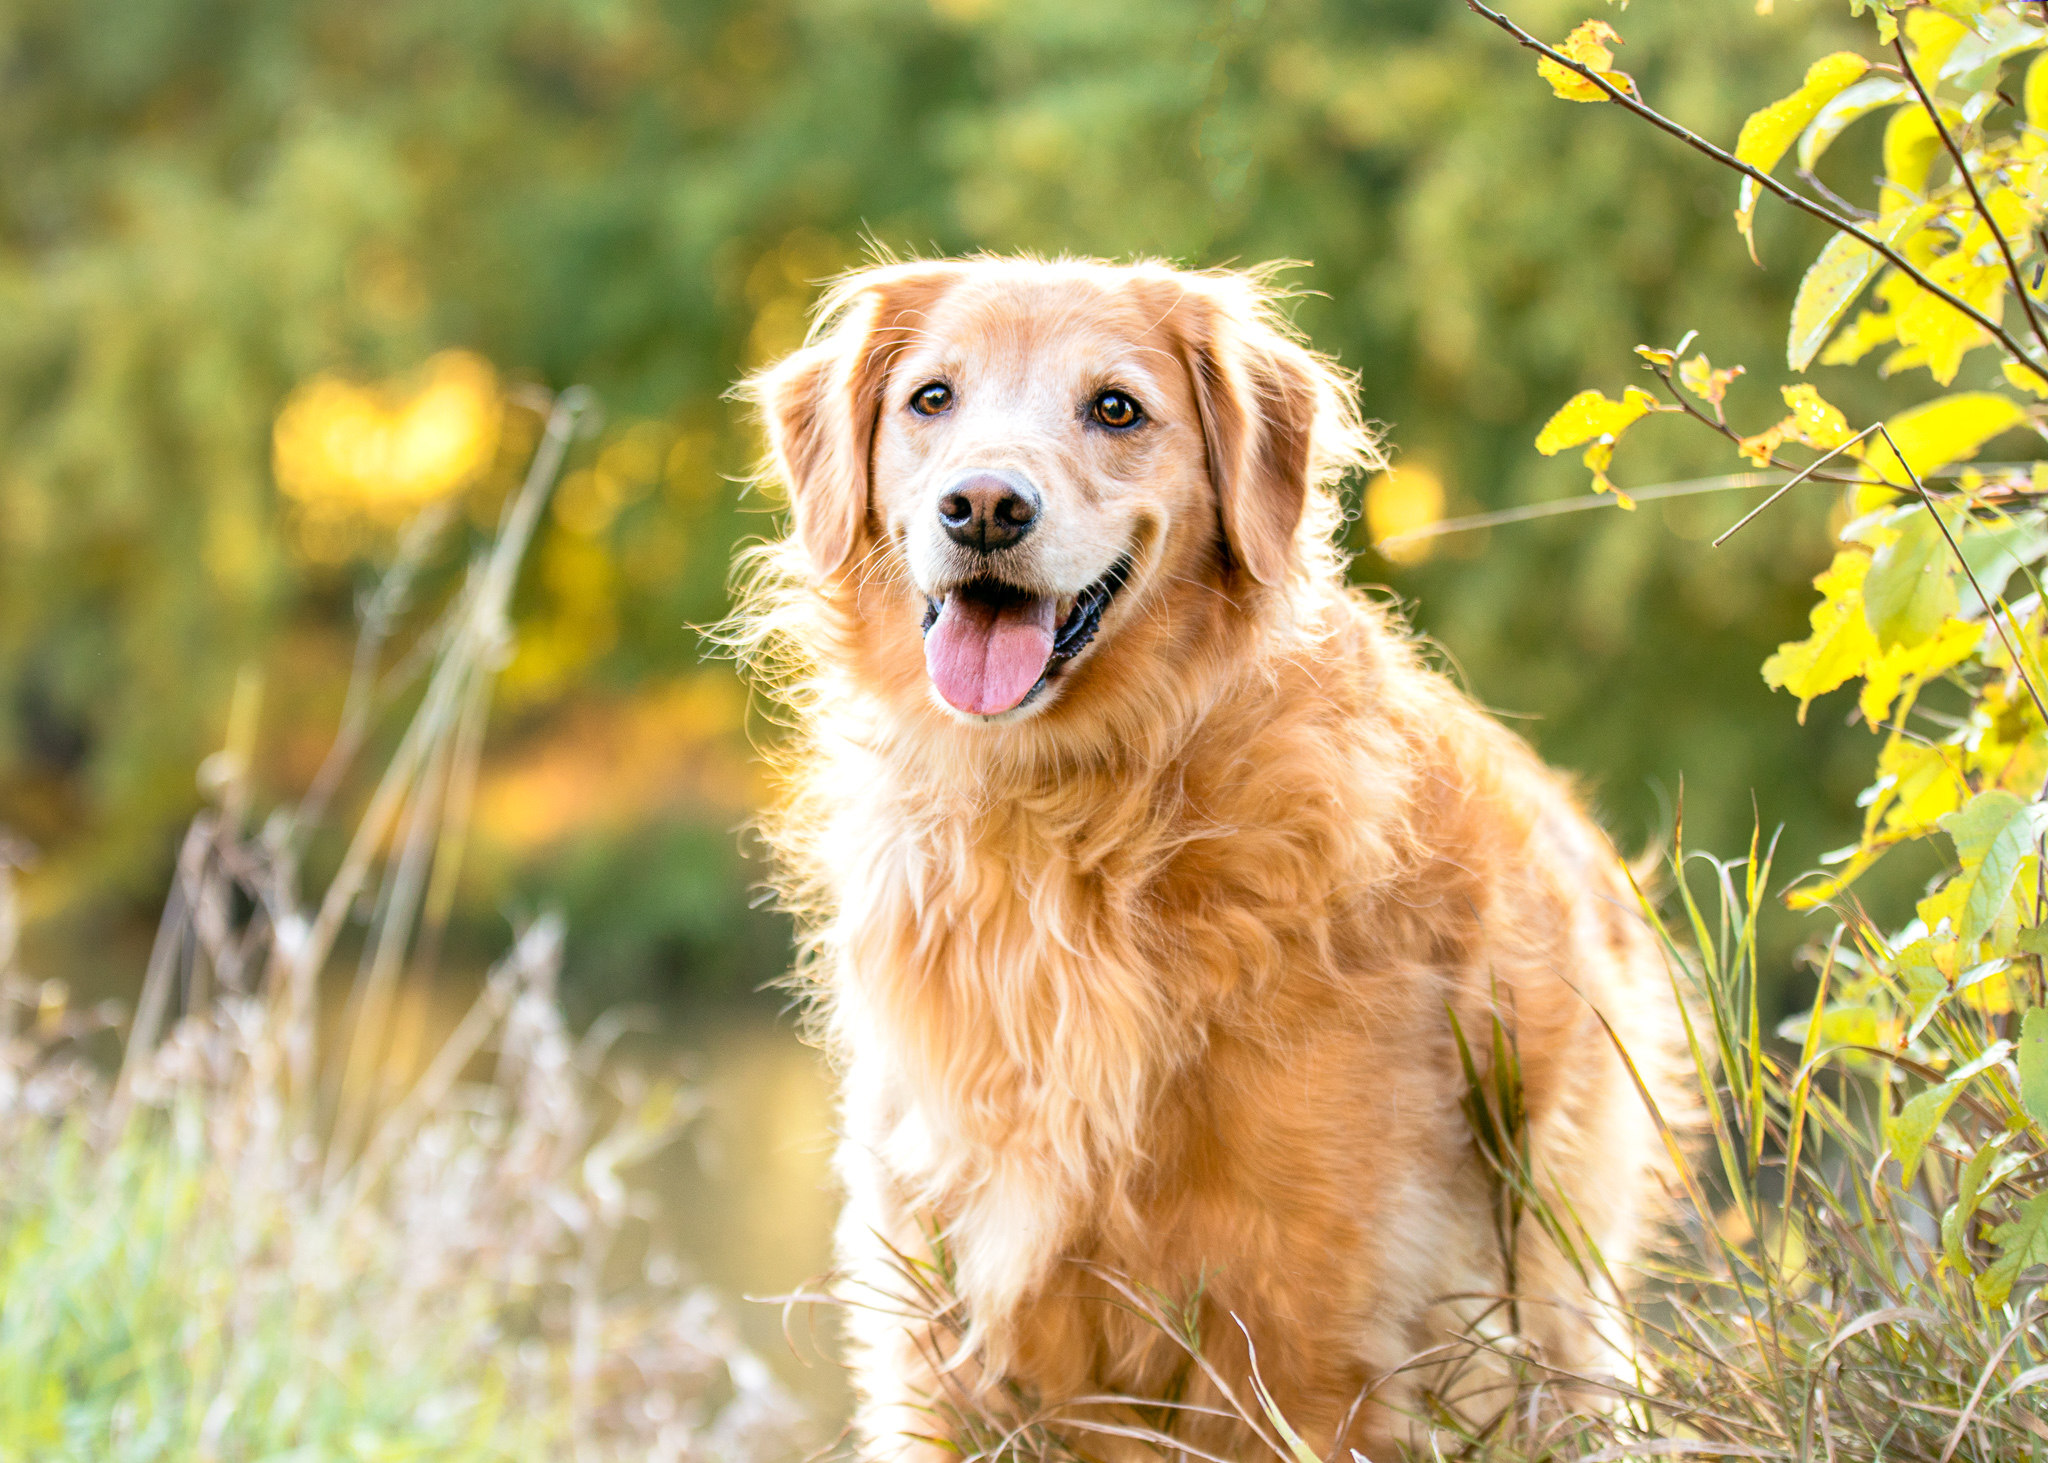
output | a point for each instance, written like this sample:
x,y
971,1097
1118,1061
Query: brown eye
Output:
x,y
1114,409
931,399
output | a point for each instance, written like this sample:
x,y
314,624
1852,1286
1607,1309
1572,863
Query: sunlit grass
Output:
x,y
230,1244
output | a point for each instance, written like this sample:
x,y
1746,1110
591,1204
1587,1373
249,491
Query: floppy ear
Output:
x,y
1261,398
818,405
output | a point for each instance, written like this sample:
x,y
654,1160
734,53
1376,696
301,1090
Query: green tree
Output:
x,y
208,202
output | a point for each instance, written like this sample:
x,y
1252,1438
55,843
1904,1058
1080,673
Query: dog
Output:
x,y
1158,900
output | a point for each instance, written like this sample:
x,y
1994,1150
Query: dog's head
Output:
x,y
1023,462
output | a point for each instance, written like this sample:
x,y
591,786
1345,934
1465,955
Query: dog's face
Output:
x,y
1036,454
1035,446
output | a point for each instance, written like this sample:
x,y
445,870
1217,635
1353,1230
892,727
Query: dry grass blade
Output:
x,y
177,1279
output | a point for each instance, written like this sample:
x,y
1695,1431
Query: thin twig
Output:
x,y
2019,666
2012,265
1691,487
1765,181
1788,487
1719,424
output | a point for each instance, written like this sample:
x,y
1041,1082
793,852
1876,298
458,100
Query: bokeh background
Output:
x,y
273,274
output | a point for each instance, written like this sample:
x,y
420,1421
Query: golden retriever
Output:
x,y
1144,868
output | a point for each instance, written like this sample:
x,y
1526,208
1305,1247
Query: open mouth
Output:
x,y
989,647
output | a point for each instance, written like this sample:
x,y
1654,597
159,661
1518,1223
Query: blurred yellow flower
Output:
x,y
386,448
1403,501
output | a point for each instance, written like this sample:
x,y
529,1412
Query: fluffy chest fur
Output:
x,y
1049,1002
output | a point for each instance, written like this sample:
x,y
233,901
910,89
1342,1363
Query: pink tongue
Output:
x,y
985,658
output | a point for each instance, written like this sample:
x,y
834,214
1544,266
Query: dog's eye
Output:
x,y
1114,409
931,399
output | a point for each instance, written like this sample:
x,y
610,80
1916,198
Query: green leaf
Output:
x,y
2033,1064
1993,833
1910,591
2022,1244
1908,1130
1838,276
1969,1194
1994,556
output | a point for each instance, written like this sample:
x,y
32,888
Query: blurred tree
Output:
x,y
208,202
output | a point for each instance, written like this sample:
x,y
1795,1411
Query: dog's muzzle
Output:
x,y
989,647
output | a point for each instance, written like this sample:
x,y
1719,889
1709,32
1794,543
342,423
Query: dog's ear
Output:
x,y
819,406
1276,420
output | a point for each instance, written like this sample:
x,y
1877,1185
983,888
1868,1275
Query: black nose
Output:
x,y
988,510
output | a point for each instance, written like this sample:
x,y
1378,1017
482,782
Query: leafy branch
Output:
x,y
1837,221
1963,171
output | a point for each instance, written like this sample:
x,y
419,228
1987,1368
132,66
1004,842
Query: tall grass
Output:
x,y
1821,1296
239,1242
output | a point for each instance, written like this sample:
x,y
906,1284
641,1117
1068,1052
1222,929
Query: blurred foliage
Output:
x,y
210,205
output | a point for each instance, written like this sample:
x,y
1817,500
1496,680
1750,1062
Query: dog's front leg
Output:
x,y
903,1325
907,1408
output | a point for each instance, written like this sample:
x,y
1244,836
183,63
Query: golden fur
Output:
x,y
1150,977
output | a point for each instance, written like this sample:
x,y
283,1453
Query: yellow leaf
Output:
x,y
1868,330
1916,786
1589,44
1813,422
2026,378
1857,102
1700,378
1759,447
1769,132
1813,896
1910,146
1817,423
1590,416
1931,331
1940,432
2037,105
1599,457
1936,335
1841,644
1930,36
1907,667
